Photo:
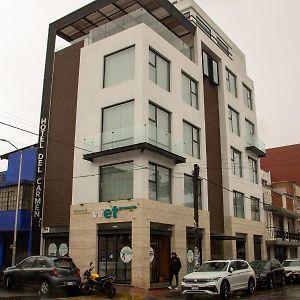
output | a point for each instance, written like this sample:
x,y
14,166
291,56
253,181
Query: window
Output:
x,y
189,192
234,121
255,213
210,68
189,91
42,263
236,161
159,127
231,82
116,182
28,262
238,205
247,97
159,70
191,140
117,126
159,183
119,67
253,170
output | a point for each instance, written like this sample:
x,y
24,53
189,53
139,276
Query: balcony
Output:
x,y
140,137
280,236
255,145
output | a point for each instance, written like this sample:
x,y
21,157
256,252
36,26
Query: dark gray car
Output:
x,y
44,273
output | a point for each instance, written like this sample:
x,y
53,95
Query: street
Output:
x,y
289,292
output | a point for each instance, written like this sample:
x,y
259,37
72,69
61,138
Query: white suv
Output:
x,y
220,277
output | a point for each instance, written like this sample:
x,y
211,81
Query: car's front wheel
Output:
x,y
44,287
224,290
8,282
251,286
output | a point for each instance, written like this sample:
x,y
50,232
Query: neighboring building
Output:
x,y
143,93
8,198
284,163
281,217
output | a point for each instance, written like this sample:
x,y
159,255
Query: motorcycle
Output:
x,y
93,283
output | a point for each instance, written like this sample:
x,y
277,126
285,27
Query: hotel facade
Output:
x,y
146,90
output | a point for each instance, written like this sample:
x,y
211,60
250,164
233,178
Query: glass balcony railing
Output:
x,y
254,144
133,135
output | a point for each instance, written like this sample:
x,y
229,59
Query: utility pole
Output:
x,y
196,213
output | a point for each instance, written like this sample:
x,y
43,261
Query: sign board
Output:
x,y
190,256
63,249
126,254
52,249
111,212
151,254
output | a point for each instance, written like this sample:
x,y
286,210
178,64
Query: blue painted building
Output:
x,y
8,198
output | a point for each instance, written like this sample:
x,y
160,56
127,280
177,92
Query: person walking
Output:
x,y
175,266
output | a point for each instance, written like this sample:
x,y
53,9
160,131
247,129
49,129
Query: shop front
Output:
x,y
132,240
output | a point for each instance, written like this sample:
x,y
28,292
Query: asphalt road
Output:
x,y
290,292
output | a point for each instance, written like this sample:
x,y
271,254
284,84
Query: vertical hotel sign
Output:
x,y
38,199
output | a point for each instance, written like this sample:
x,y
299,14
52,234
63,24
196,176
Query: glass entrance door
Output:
x,y
159,267
111,259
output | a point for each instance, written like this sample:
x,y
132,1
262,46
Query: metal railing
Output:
x,y
285,235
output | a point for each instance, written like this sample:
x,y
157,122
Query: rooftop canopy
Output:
x,y
80,22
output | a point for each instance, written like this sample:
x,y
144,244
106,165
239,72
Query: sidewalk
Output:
x,y
130,293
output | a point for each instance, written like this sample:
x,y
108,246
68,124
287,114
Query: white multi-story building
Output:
x,y
155,89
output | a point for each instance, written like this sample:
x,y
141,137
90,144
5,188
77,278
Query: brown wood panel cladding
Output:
x,y
214,160
60,156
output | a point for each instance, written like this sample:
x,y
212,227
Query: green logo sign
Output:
x,y
111,212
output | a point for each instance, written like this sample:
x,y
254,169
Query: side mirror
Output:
x,y
230,269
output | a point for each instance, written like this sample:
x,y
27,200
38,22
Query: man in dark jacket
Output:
x,y
175,266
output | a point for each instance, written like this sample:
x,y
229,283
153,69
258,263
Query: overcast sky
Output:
x,y
267,31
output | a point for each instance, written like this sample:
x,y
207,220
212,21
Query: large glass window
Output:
x,y
250,128
189,192
159,70
238,205
159,183
236,161
253,170
119,67
189,91
231,82
117,126
159,127
191,140
234,121
116,182
210,68
247,94
255,212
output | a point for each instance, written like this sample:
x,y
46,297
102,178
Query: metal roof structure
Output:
x,y
80,22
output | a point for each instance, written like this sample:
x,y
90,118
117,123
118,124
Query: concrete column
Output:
x,y
264,253
229,249
140,252
249,248
206,251
178,245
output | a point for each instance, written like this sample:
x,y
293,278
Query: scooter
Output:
x,y
93,283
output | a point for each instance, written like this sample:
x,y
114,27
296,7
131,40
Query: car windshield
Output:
x,y
291,263
213,266
63,263
260,264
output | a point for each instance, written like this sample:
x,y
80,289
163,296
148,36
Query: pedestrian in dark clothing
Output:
x,y
175,266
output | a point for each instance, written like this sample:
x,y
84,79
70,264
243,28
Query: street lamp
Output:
x,y
13,262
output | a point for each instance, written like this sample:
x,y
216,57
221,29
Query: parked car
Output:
x,y
292,269
219,277
44,273
268,273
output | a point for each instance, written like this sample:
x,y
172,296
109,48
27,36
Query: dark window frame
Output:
x,y
249,99
193,140
235,206
232,110
101,174
155,67
254,169
191,93
199,191
156,181
234,151
255,209
210,69
228,74
104,62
